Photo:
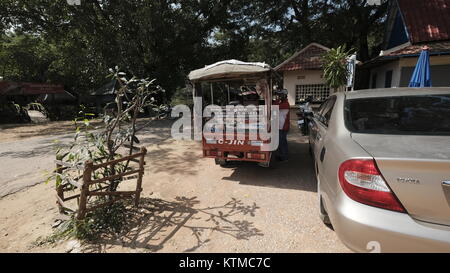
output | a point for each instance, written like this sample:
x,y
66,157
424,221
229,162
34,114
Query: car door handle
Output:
x,y
322,154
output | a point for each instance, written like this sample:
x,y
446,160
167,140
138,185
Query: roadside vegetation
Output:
x,y
53,42
335,67
99,145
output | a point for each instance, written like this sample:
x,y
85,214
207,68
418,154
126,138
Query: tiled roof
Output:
x,y
426,20
26,88
6,87
434,47
308,58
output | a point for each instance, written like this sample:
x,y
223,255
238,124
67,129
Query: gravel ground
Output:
x,y
191,205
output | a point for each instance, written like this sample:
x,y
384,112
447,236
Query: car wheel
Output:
x,y
322,212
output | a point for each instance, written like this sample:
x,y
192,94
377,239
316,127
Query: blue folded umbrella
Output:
x,y
421,76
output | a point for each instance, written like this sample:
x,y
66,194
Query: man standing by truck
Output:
x,y
284,125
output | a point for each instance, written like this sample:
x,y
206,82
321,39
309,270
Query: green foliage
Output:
x,y
74,45
157,39
335,66
24,57
11,112
35,58
183,96
102,144
103,222
86,145
297,23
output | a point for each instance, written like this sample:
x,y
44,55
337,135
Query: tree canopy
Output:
x,y
52,41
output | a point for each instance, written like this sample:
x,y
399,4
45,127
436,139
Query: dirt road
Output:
x,y
192,205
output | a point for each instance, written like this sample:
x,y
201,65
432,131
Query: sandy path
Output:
x,y
15,132
27,152
193,205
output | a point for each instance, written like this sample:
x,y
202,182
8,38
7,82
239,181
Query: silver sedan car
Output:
x,y
382,160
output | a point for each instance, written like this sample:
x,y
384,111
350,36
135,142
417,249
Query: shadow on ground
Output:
x,y
297,173
38,148
175,160
155,132
157,221
44,129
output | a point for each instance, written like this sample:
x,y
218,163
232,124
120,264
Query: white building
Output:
x,y
410,25
303,74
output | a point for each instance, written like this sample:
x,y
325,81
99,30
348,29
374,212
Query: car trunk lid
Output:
x,y
417,169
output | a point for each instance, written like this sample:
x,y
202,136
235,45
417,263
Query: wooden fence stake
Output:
x,y
60,187
87,180
87,176
141,174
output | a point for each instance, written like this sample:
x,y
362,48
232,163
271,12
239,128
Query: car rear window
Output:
x,y
407,115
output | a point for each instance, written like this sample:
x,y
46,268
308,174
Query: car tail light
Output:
x,y
258,156
362,181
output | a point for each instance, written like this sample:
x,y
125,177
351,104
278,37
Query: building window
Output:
x,y
388,79
374,81
319,92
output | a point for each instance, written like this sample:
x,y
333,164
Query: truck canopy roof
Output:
x,y
228,69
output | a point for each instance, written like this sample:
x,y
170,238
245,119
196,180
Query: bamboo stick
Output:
x,y
60,187
103,193
87,176
63,206
106,203
112,177
141,173
105,164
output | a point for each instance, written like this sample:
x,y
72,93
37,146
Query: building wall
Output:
x,y
434,60
398,67
300,77
380,73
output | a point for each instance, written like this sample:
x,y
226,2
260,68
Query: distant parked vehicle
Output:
x,y
37,112
305,113
382,160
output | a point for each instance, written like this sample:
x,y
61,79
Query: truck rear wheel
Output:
x,y
221,162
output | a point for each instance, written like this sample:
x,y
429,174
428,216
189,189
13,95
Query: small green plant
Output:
x,y
109,221
335,67
101,145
